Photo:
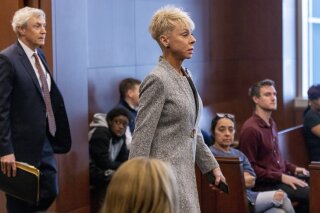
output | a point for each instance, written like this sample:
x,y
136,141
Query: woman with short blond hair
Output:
x,y
170,108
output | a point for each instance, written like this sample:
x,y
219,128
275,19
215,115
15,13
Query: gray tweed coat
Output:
x,y
167,129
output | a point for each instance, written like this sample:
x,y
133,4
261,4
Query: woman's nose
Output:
x,y
193,39
228,132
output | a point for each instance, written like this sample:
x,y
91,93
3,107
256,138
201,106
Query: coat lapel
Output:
x,y
26,63
44,62
194,90
173,74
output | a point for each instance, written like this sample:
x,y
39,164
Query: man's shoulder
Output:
x,y
250,131
123,104
307,116
250,124
311,114
311,119
9,57
100,131
9,51
41,53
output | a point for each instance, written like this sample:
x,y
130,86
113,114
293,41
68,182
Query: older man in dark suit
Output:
x,y
33,119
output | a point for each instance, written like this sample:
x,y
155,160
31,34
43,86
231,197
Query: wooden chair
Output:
x,y
2,202
314,183
293,146
218,202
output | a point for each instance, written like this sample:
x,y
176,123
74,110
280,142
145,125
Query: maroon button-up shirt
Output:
x,y
259,142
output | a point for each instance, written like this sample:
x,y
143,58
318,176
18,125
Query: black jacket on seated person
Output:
x,y
107,152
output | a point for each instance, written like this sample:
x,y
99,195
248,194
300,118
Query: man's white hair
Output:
x,y
22,16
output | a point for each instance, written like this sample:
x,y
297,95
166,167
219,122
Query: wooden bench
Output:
x,y
2,202
293,146
218,202
314,182
294,149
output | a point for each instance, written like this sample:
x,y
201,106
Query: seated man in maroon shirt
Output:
x,y
258,140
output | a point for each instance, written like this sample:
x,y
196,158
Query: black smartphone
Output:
x,y
303,177
222,185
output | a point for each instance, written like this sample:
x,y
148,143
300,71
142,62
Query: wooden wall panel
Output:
x,y
7,11
246,29
299,116
245,40
246,46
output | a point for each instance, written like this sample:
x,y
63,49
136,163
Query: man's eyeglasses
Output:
x,y
225,115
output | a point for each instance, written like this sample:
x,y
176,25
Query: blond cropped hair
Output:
x,y
142,185
23,15
164,20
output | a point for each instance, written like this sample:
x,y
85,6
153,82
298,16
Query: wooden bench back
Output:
x,y
2,202
293,146
294,149
219,202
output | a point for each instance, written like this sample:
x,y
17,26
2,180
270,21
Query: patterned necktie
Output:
x,y
46,96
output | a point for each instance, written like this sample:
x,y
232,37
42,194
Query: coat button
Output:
x,y
193,132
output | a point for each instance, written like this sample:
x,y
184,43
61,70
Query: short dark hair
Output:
x,y
254,90
314,92
127,84
116,112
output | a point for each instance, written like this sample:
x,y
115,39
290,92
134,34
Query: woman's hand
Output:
x,y
249,179
218,177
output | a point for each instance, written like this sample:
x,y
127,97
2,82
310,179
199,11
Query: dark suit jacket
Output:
x,y
23,123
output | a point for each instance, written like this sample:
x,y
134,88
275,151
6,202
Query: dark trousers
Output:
x,y
301,195
48,185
